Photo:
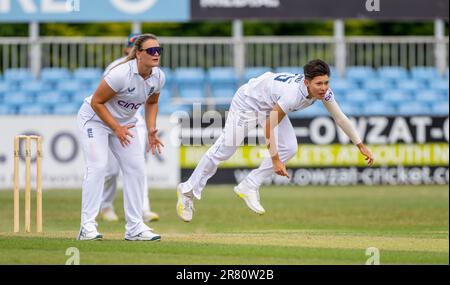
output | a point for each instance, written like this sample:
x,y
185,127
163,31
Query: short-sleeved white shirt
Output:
x,y
285,89
113,64
132,90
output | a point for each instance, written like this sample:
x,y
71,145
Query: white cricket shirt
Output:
x,y
132,90
285,89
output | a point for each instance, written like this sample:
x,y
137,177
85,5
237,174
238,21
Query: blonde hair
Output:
x,y
137,47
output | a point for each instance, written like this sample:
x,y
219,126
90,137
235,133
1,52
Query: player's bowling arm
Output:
x,y
342,121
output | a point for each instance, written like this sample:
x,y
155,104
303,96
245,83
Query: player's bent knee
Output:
x,y
134,169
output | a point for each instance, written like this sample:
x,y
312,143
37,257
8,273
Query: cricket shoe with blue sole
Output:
x,y
250,197
89,235
144,236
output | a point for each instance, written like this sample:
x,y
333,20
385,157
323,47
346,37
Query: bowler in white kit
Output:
x,y
265,101
106,121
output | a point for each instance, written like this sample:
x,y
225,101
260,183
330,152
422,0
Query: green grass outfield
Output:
x,y
302,225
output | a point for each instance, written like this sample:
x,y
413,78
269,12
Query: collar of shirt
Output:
x,y
304,90
136,71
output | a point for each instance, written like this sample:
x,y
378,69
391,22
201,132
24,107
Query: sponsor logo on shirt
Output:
x,y
128,105
131,89
151,91
328,95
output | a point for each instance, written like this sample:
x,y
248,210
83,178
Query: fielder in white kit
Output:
x,y
106,122
265,101
107,212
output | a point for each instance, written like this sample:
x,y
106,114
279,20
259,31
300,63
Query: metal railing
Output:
x,y
75,52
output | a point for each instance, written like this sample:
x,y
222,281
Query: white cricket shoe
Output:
x,y
144,236
108,214
251,197
185,204
92,235
149,216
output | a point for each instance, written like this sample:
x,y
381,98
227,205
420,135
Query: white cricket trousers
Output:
x,y
237,126
112,172
97,139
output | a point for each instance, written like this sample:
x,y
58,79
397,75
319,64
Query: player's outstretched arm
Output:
x,y
344,123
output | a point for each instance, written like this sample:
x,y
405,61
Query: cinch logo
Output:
x,y
128,105
328,96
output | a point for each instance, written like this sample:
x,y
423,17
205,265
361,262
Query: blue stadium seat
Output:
x,y
169,76
359,74
174,110
88,75
223,92
33,110
165,94
17,75
51,75
223,95
70,87
439,85
33,87
315,110
51,97
342,86
410,85
396,96
359,96
440,108
252,72
6,87
92,87
429,96
379,108
78,97
189,77
65,109
377,86
424,73
289,69
219,77
414,108
350,108
7,110
394,73
192,94
19,98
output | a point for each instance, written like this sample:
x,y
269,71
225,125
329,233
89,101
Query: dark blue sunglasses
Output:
x,y
153,50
